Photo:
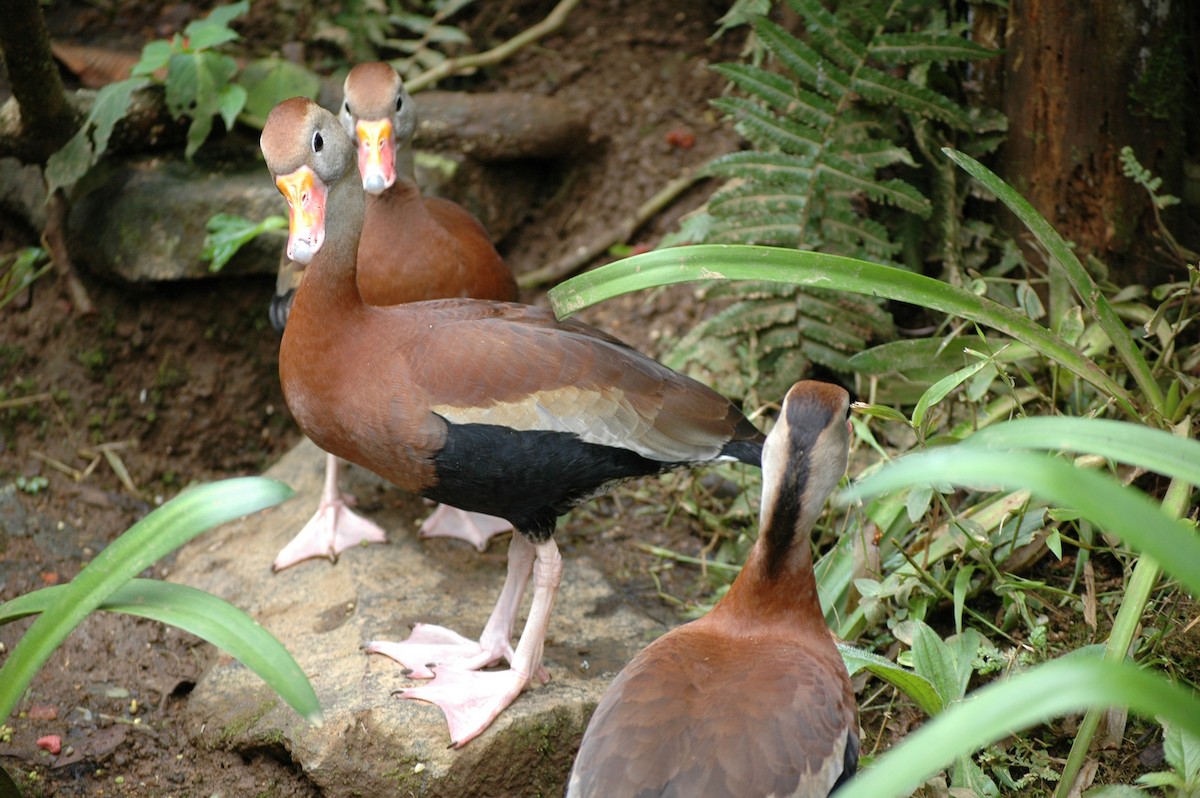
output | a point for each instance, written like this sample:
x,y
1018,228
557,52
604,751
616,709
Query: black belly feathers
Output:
x,y
530,477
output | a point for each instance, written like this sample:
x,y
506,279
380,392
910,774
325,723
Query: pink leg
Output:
x,y
332,530
475,528
473,699
435,645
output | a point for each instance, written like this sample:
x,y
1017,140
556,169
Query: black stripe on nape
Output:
x,y
529,477
805,420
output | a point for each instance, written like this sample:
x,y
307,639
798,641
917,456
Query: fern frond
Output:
x,y
778,92
762,127
827,171
768,167
845,174
909,97
805,62
910,48
835,41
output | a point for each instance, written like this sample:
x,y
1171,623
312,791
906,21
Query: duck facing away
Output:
x,y
752,699
493,407
412,248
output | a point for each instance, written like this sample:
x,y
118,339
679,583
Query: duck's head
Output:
x,y
379,115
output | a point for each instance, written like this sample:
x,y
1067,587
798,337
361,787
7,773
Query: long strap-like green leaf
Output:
x,y
149,540
1125,512
741,262
1037,695
1135,444
210,618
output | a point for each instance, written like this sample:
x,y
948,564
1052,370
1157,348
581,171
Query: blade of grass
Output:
x,y
1092,297
741,262
1034,696
210,618
1126,512
1135,444
187,515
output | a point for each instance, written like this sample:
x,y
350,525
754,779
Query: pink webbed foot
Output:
x,y
432,645
333,529
475,528
471,700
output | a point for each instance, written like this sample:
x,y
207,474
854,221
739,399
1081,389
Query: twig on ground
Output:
x,y
467,64
601,244
54,238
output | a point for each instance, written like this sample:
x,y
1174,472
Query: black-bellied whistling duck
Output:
x,y
490,406
752,699
412,248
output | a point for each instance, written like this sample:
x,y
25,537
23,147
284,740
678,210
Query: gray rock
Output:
x,y
372,743
144,220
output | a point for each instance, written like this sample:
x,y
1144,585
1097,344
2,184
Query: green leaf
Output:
x,y
942,388
1002,708
1115,791
233,99
1135,444
946,664
65,167
735,262
228,233
213,30
913,685
187,515
1125,512
1182,752
155,56
268,81
210,618
962,585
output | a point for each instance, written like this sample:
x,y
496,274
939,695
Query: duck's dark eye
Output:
x,y
318,142
399,102
346,107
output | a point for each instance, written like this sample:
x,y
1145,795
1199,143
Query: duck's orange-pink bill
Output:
x,y
306,196
376,154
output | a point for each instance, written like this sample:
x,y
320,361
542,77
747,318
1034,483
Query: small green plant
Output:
x,y
108,583
95,360
201,83
227,233
413,33
31,485
21,269
1181,750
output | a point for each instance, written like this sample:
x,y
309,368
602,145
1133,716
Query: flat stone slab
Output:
x,y
371,742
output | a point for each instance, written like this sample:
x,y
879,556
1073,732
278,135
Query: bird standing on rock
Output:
x,y
751,700
412,248
489,406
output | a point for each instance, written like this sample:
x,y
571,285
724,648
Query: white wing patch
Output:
x,y
607,419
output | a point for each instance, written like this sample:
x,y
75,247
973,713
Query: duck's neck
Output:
x,y
777,584
405,165
329,282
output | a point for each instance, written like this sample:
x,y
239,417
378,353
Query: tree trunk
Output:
x,y
47,119
1084,80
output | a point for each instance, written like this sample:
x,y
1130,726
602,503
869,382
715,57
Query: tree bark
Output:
x,y
1082,81
48,119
